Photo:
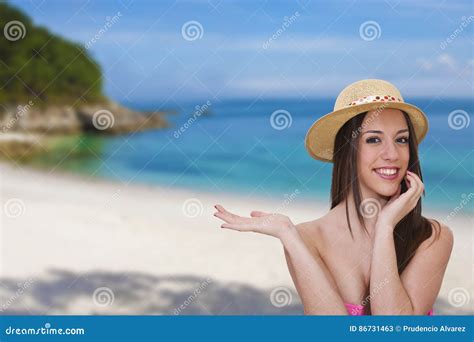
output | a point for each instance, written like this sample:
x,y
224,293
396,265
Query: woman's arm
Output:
x,y
312,280
314,284
415,291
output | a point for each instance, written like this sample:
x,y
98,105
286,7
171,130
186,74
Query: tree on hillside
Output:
x,y
35,63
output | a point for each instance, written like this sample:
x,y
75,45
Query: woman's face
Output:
x,y
383,152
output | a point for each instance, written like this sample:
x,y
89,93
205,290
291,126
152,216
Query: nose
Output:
x,y
389,151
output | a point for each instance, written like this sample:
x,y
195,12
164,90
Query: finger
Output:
x,y
414,175
256,213
410,193
223,216
229,216
416,189
220,208
238,227
419,184
412,188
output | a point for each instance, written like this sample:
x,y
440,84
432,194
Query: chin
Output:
x,y
385,190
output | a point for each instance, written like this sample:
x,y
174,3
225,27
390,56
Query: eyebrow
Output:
x,y
380,132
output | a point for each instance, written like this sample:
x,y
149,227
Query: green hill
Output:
x,y
36,64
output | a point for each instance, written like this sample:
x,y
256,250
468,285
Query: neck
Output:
x,y
370,220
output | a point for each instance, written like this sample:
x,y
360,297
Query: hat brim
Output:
x,y
321,135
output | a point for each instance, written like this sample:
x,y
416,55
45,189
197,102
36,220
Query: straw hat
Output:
x,y
357,98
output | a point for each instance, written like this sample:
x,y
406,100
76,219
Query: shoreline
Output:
x,y
84,224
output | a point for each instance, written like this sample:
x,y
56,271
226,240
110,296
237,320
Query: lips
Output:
x,y
387,173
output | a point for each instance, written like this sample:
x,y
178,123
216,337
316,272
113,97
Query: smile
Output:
x,y
387,173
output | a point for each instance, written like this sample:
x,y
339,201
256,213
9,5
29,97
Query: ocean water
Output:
x,y
235,146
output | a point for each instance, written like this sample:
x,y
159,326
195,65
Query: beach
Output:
x,y
157,250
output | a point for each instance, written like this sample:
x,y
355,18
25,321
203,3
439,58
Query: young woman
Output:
x,y
373,252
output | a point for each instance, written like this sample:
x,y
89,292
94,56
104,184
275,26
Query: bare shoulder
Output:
x,y
309,230
315,232
442,237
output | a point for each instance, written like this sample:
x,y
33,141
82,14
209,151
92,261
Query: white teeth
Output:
x,y
387,172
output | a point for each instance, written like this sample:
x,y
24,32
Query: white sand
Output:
x,y
73,223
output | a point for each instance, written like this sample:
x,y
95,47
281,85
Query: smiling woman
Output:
x,y
373,252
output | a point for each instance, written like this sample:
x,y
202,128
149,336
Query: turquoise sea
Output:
x,y
235,146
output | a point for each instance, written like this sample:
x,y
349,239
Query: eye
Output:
x,y
372,140
403,140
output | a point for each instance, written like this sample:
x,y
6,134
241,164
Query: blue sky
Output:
x,y
146,58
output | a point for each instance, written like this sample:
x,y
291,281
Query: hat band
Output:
x,y
375,98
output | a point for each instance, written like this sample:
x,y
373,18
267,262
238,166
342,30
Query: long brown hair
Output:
x,y
413,229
